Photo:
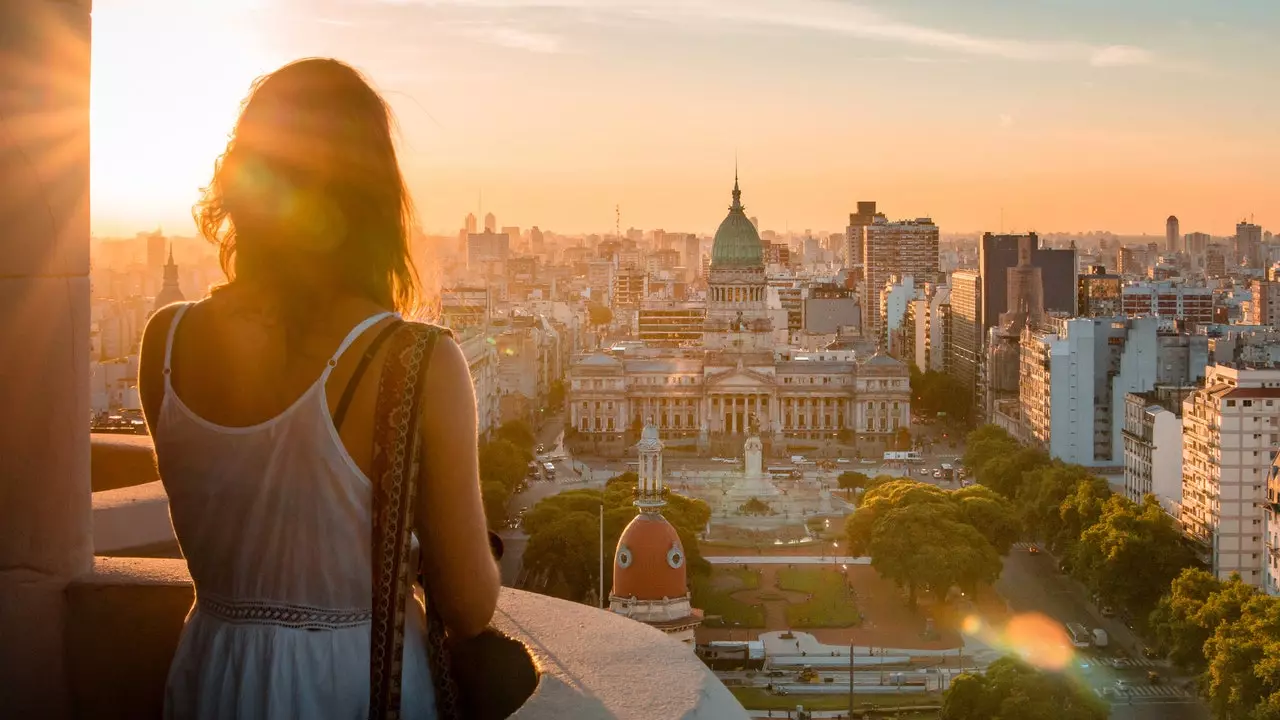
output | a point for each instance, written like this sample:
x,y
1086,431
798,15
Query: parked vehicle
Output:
x,y
1100,639
1080,637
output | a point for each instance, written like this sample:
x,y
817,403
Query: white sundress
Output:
x,y
275,521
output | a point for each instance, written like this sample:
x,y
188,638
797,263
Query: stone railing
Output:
x,y
542,658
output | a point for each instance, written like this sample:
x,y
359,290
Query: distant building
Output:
x,y
169,292
666,323
1228,448
894,300
904,248
853,236
469,224
490,223
485,247
1264,307
1248,245
1153,447
1073,381
998,253
1215,261
649,564
966,351
1172,235
1196,243
1099,294
829,309
1168,300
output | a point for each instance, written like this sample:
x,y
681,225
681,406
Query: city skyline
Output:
x,y
995,117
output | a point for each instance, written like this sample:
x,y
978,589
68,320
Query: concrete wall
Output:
x,y
44,328
545,659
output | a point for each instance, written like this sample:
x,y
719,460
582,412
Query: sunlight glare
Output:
x,y
167,82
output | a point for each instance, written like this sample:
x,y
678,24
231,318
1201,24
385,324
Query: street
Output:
x,y
1032,583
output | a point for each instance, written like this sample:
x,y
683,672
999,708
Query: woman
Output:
x,y
263,413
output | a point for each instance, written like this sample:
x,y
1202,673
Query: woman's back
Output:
x,y
246,394
274,517
268,506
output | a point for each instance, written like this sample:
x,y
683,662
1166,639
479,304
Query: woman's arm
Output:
x,y
457,564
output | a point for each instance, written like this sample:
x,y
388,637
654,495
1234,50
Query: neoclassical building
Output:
x,y
745,375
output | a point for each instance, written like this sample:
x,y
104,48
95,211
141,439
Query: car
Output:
x,y
867,461
1033,550
842,461
1150,653
1107,611
937,474
541,448
924,472
1153,677
777,673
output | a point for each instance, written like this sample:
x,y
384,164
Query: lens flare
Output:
x,y
1035,638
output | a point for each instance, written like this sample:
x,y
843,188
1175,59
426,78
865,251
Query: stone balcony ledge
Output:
x,y
544,659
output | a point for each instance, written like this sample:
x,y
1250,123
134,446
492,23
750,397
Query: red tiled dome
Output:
x,y
649,563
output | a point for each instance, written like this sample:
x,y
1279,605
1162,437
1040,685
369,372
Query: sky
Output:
x,y
1052,115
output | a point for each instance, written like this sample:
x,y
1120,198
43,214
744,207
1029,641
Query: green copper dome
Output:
x,y
737,242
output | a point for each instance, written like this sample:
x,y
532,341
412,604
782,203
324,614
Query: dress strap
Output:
x,y
168,342
351,337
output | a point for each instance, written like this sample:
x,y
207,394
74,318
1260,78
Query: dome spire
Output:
x,y
737,194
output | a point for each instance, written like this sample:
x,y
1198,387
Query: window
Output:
x,y
1231,403
1247,403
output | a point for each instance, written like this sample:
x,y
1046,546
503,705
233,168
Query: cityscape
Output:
x,y
784,389
768,432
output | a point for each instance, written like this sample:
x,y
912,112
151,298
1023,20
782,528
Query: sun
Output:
x,y
167,80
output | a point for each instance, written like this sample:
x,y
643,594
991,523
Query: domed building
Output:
x,y
649,576
737,295
746,378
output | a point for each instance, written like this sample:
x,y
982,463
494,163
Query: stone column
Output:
x,y
45,517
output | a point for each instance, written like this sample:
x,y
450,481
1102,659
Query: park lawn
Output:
x,y
830,607
713,595
755,698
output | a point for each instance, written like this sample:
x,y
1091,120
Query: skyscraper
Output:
x,y
490,223
1248,245
907,247
998,253
853,233
966,327
1172,235
470,223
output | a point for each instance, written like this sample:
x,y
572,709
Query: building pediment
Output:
x,y
738,378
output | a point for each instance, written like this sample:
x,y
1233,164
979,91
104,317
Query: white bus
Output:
x,y
1080,637
903,456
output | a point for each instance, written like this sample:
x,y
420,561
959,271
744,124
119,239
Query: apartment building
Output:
x,y
1231,429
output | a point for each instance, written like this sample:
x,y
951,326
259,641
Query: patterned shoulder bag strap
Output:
x,y
396,447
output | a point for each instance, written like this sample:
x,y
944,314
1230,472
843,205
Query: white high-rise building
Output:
x,y
1073,382
1230,432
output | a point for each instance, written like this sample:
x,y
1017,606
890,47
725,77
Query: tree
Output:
x,y
1006,472
987,442
881,499
1040,495
1196,604
933,392
902,439
502,467
755,506
555,395
598,315
923,546
517,433
1242,679
852,480
1014,690
1131,555
990,514
564,542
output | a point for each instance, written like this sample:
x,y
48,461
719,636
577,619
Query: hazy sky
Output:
x,y
1066,114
